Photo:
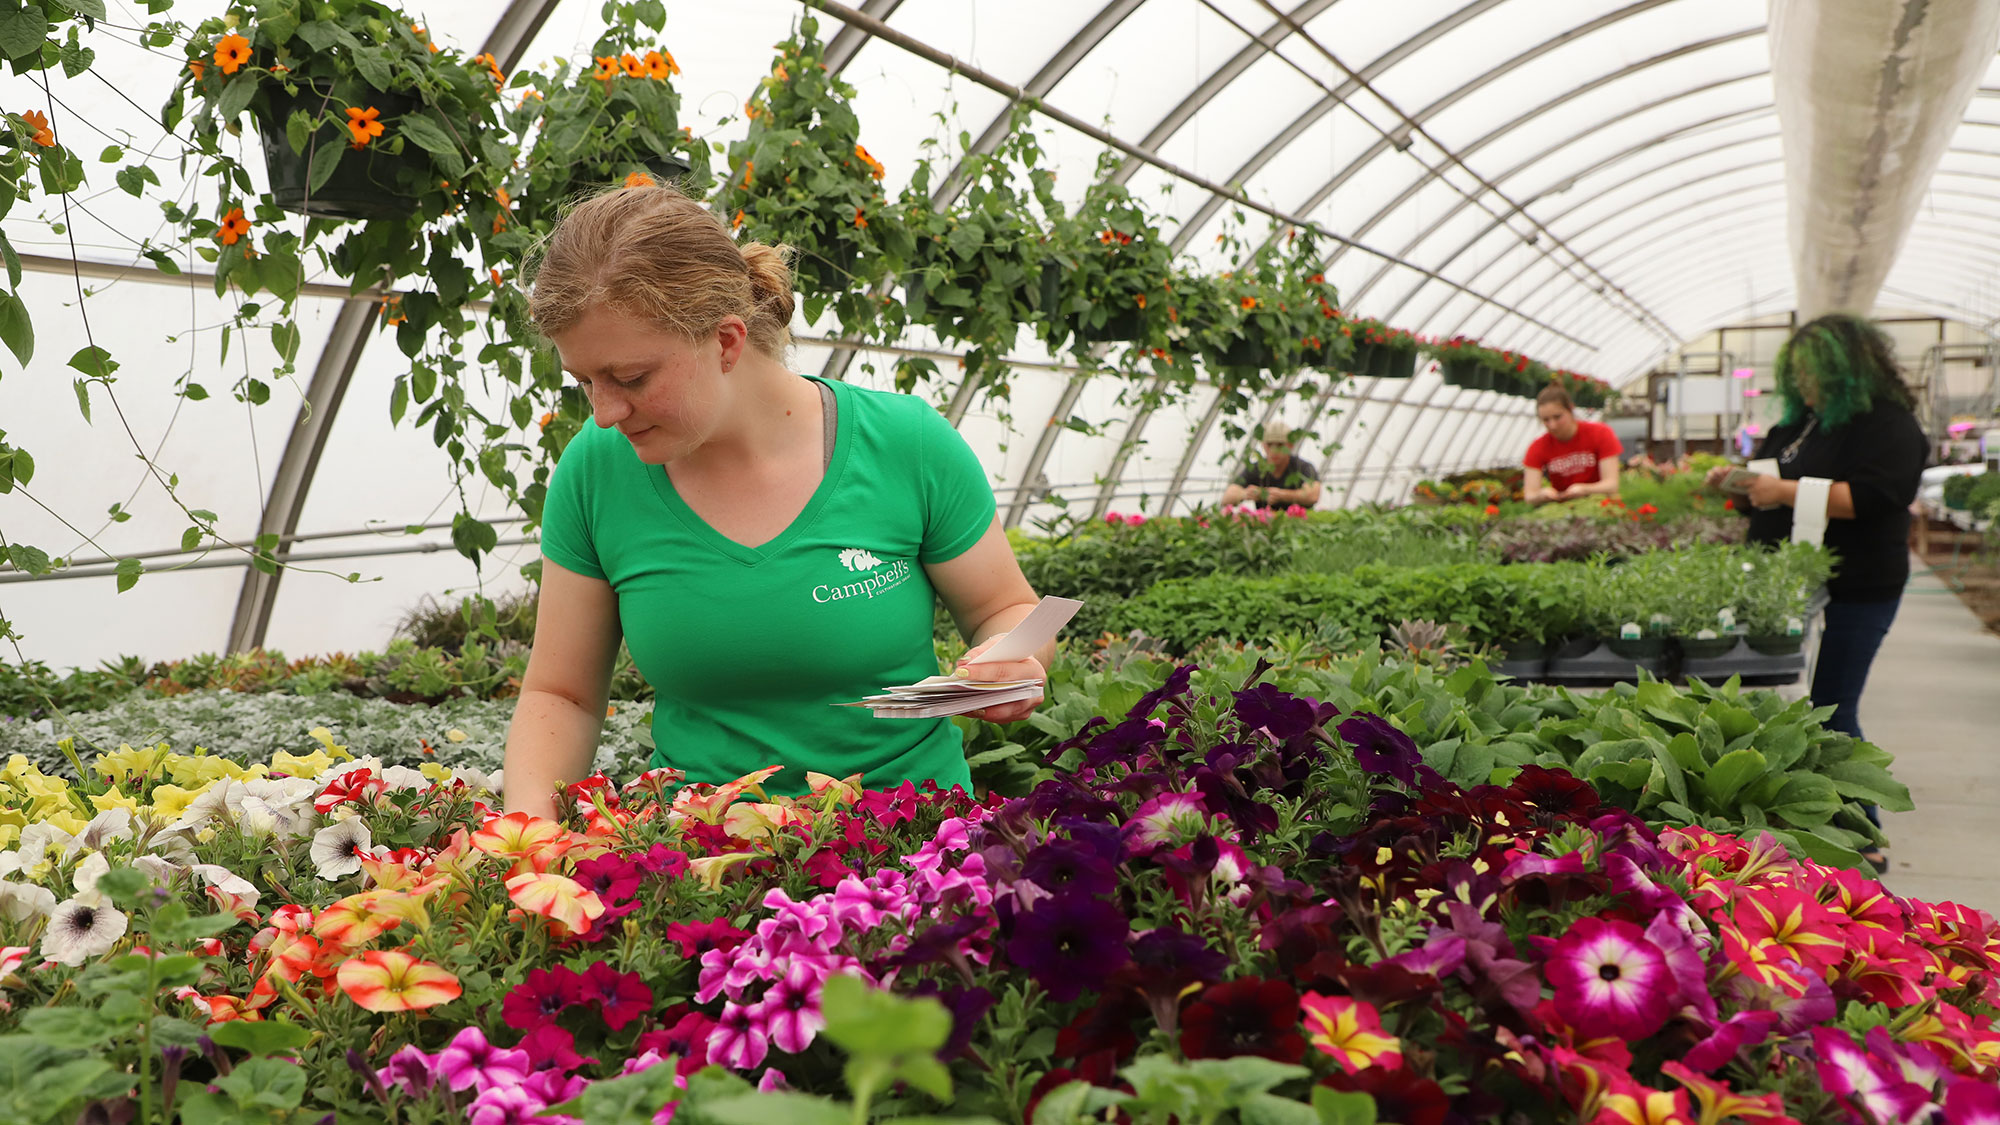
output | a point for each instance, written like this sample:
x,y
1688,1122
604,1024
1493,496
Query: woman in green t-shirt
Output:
x,y
767,544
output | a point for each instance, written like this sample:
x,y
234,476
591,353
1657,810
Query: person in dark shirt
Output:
x,y
1849,420
1280,480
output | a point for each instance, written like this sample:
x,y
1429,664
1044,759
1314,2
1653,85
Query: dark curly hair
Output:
x,y
1853,364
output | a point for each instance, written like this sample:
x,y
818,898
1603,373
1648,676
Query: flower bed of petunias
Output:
x,y
1243,908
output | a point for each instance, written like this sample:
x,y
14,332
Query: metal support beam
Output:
x,y
1375,435
295,469
1192,451
848,41
1389,462
1025,488
1126,447
515,29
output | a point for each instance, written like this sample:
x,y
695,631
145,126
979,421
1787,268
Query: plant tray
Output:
x,y
1600,665
1526,668
1756,668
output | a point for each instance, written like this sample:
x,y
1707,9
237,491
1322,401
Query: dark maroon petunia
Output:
x,y
1284,715
697,938
1244,1017
1556,792
623,997
662,860
1085,862
1069,943
551,1047
541,998
1380,748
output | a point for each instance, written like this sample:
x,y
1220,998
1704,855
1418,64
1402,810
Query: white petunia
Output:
x,y
337,848
104,828
174,847
83,927
403,777
221,800
22,901
370,762
158,870
87,873
36,841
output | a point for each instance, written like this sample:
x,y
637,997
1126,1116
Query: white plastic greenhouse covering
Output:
x,y
1588,182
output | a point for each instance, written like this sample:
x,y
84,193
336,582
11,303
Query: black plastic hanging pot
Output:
x,y
367,183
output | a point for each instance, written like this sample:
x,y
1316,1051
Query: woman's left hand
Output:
x,y
1029,669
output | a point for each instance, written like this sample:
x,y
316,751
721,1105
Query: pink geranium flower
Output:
x,y
1610,981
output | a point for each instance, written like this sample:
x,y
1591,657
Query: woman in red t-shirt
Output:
x,y
1574,458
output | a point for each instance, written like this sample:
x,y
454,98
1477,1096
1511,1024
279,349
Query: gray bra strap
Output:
x,y
830,411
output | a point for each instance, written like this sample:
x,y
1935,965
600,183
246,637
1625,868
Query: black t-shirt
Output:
x,y
1259,475
1881,456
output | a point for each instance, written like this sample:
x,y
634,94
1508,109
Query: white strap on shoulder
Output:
x,y
1809,512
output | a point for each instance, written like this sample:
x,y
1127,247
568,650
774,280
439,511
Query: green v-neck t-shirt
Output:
x,y
749,648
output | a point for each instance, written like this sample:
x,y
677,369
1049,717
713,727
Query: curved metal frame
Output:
x,y
848,41
1417,413
506,42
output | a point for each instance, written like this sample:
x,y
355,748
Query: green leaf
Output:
x,y
324,160
12,260
870,1021
1064,1104
30,559
426,134
1337,1108
76,58
265,1083
285,338
633,1099
1270,1109
23,32
163,263
24,466
474,537
260,1037
128,574
1730,774
298,128
16,330
66,1027
763,1109
1863,781
373,64
83,397
90,9
236,96
133,179
94,362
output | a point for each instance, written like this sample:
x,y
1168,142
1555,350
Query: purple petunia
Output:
x,y
1070,942
469,1060
1086,862
409,1068
1380,748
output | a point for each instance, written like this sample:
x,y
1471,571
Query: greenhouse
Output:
x,y
1161,561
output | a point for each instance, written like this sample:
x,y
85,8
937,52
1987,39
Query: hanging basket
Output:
x,y
1243,353
1392,363
366,184
1124,325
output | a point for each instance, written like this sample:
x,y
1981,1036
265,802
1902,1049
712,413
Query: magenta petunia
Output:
x,y
697,938
1970,1101
541,998
409,1068
469,1060
611,876
1876,1085
623,997
790,1008
1610,981
1167,821
739,1040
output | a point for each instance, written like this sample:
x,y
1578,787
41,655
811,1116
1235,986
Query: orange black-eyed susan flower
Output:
x,y
1317,279
1141,299
660,66
500,194
607,68
1107,237
197,67
231,52
875,168
633,67
494,272
392,310
234,226
1249,302
43,135
638,179
499,222
364,124
424,35
492,67
530,92
737,222
749,169
779,72
547,418
860,220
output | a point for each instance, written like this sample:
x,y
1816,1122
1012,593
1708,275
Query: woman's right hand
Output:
x,y
1717,475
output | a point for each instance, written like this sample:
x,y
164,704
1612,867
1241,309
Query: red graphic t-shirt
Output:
x,y
1574,461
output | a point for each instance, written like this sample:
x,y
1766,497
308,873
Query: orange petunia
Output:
x,y
875,168
558,898
44,136
660,65
638,179
364,124
385,980
231,52
607,68
633,67
234,226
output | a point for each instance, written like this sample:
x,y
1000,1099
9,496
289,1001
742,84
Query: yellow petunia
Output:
x,y
325,738
302,765
435,771
10,834
45,795
170,801
129,762
67,821
196,771
114,799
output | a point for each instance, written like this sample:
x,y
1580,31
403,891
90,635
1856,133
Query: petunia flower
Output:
x,y
697,938
231,52
1086,862
1166,821
1069,943
530,841
558,898
553,1047
81,928
1244,1017
469,1061
543,996
1872,1083
388,980
739,1039
337,848
790,1009
409,1068
1380,748
622,997
1350,1031
1610,980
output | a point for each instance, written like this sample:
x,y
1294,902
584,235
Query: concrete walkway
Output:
x,y
1933,700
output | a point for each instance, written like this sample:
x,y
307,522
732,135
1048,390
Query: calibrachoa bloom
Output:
x,y
1350,1031
392,981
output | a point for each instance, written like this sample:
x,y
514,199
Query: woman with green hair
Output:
x,y
1850,456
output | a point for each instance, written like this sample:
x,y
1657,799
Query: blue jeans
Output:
x,y
1854,631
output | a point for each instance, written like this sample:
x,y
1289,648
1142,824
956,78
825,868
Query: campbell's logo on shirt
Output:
x,y
1572,464
872,576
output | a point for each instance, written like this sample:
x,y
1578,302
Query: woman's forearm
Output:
x,y
551,743
1005,620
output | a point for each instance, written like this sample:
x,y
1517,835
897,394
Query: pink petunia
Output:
x,y
790,1009
1610,980
739,1040
1875,1084
469,1060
